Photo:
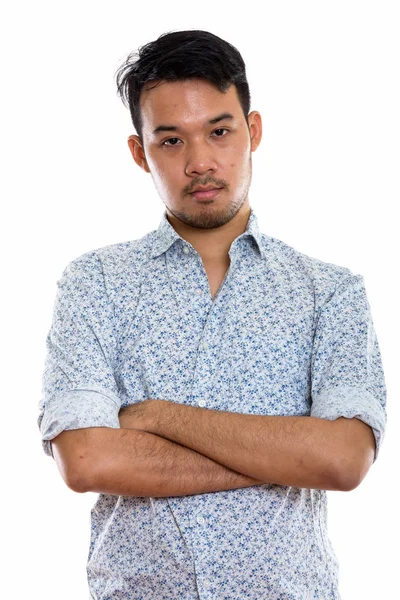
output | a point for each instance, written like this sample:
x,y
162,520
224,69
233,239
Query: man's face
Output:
x,y
195,136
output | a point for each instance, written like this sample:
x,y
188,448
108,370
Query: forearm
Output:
x,y
285,450
137,463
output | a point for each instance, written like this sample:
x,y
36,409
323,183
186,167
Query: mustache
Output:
x,y
219,183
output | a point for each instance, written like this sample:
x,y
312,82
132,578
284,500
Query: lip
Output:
x,y
205,194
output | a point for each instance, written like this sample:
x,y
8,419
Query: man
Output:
x,y
208,381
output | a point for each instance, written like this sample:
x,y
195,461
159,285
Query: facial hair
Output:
x,y
210,217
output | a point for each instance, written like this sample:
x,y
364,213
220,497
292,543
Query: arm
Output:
x,y
80,404
135,463
306,452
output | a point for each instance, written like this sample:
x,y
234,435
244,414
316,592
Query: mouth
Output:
x,y
205,194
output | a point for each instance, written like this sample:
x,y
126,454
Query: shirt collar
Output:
x,y
166,235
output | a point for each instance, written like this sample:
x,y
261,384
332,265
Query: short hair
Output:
x,y
181,55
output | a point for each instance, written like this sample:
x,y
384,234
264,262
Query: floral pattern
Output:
x,y
286,334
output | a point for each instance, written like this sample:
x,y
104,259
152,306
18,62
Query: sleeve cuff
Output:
x,y
78,409
351,402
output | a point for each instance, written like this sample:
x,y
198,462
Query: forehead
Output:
x,y
185,102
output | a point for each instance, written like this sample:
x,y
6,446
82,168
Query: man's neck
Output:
x,y
213,244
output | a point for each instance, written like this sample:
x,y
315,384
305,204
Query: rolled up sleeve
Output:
x,y
347,378
79,389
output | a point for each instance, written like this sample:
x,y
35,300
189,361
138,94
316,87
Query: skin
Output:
x,y
287,450
197,152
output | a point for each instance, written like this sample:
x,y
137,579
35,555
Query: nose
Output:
x,y
200,160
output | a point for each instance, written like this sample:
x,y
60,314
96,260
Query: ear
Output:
x,y
255,128
136,148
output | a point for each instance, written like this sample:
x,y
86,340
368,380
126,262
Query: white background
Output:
x,y
325,77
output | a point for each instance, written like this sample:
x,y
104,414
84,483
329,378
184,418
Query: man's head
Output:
x,y
189,101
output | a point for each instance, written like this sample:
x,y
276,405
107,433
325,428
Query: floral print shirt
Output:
x,y
286,334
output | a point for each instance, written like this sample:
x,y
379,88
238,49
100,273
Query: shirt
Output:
x,y
286,334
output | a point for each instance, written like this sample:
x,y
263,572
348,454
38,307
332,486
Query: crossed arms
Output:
x,y
168,449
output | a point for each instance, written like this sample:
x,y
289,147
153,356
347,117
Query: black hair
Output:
x,y
181,55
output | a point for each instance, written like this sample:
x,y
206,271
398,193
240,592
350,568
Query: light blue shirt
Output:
x,y
286,334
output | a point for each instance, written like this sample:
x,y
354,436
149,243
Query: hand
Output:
x,y
140,415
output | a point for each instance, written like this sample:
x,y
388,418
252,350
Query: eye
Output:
x,y
220,130
174,140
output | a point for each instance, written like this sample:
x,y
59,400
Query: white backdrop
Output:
x,y
325,77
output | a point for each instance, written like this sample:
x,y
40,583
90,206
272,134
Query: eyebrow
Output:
x,y
223,117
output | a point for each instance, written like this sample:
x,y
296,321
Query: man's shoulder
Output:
x,y
117,265
323,276
120,254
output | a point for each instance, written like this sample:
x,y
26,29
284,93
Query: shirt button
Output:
x,y
200,520
202,402
207,583
186,250
198,291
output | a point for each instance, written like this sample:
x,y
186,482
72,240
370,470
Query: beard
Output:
x,y
208,214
